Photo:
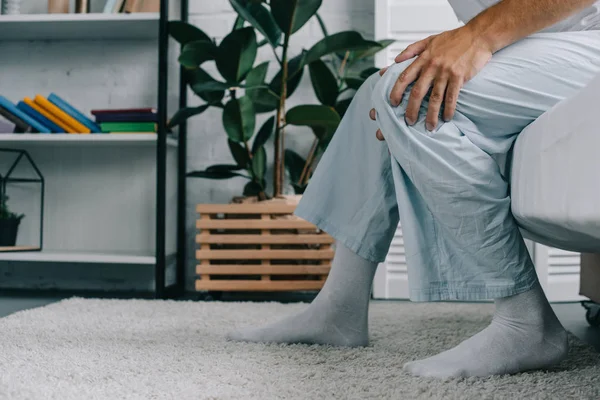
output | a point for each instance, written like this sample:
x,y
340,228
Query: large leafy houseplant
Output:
x,y
243,90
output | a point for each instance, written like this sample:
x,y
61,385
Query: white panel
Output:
x,y
558,271
391,280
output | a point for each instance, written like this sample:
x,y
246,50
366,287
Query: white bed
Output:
x,y
555,175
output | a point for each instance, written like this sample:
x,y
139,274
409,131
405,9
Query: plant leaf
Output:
x,y
263,134
239,153
253,188
366,73
239,119
260,18
195,53
185,113
259,163
359,54
295,70
223,168
354,83
342,106
214,174
263,99
204,86
299,189
323,82
313,116
294,163
236,54
184,32
290,18
341,41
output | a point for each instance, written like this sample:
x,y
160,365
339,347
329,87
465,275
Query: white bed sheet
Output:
x,y
555,174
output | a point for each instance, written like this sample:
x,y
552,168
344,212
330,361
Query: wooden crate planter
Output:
x,y
259,247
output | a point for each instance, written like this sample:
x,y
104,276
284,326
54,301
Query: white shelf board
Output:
x,y
76,257
83,139
78,26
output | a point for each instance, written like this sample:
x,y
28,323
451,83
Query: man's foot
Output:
x,y
310,326
338,316
524,335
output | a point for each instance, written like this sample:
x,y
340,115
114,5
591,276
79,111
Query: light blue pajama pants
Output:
x,y
448,187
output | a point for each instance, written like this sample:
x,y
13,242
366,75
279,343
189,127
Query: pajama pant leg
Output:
x,y
461,240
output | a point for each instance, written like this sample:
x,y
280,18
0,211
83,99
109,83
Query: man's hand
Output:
x,y
448,60
444,62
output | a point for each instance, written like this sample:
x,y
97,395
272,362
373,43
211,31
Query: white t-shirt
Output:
x,y
588,19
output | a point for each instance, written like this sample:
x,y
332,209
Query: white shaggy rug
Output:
x,y
142,349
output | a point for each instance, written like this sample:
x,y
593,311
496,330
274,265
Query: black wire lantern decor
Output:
x,y
10,221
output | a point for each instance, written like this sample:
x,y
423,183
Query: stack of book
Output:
x,y
45,115
130,120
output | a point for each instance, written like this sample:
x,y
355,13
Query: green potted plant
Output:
x,y
243,91
259,241
9,224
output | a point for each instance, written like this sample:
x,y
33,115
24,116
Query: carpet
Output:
x,y
143,349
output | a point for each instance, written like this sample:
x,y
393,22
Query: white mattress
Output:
x,y
555,174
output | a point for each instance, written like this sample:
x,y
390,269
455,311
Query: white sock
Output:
x,y
337,316
524,335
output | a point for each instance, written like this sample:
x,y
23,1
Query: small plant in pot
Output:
x,y
9,224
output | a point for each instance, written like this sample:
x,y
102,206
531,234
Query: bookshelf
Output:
x,y
96,26
110,199
83,140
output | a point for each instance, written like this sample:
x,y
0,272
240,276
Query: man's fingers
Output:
x,y
451,98
417,94
373,114
408,76
412,51
382,71
379,135
435,102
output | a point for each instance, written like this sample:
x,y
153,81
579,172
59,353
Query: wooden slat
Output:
x,y
253,224
257,208
19,248
265,233
264,239
205,247
232,269
267,286
264,254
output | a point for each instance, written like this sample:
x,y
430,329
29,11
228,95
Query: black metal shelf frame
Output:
x,y
178,288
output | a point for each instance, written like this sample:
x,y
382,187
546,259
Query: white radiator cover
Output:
x,y
408,21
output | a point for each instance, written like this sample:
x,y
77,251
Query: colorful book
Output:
x,y
108,7
27,109
150,6
132,127
132,6
73,112
64,127
6,126
118,6
124,111
11,108
127,117
20,126
60,114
